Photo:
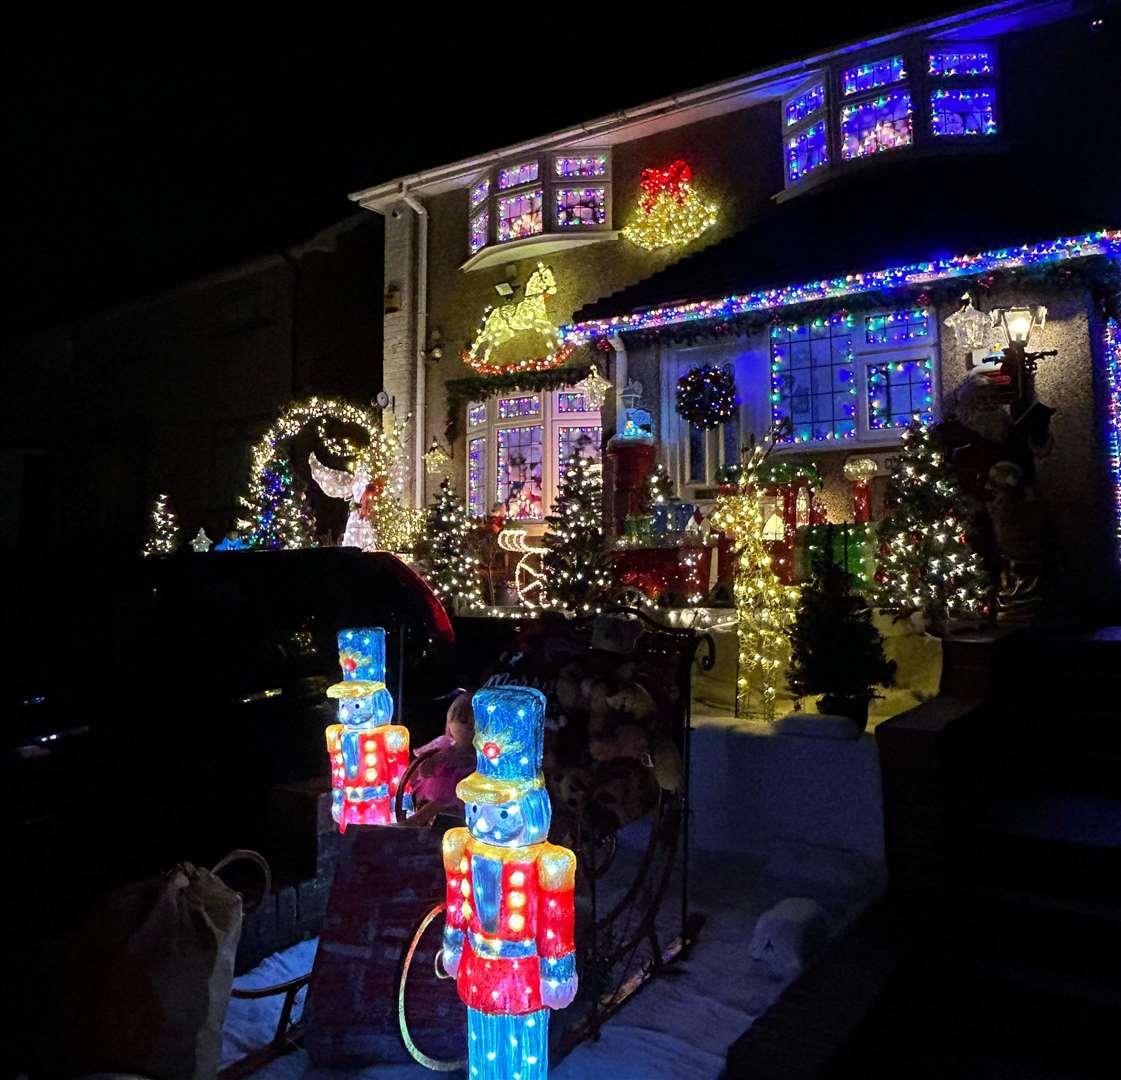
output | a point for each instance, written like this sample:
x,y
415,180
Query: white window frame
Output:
x,y
551,420
549,183
864,356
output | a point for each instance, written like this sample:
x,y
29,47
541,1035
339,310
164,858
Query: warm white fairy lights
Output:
x,y
163,529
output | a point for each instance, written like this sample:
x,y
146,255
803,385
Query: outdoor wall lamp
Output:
x,y
1020,321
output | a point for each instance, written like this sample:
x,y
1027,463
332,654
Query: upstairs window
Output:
x,y
878,124
807,137
871,76
562,194
962,91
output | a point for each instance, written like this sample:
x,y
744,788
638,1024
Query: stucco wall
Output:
x,y
735,165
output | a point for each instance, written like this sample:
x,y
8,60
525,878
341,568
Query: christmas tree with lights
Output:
x,y
163,529
926,561
453,570
282,519
577,568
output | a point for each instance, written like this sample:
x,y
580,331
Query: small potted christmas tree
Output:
x,y
836,651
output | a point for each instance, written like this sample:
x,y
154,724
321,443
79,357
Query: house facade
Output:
x,y
806,230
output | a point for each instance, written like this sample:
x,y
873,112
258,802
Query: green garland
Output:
x,y
480,387
1098,274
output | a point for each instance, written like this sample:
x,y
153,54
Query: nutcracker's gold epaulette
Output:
x,y
455,841
334,732
395,736
556,868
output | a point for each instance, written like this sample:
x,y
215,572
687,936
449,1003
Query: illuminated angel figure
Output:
x,y
508,934
368,753
358,489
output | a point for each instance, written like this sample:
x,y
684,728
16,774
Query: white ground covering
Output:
x,y
802,818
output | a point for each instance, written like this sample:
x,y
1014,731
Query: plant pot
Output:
x,y
854,706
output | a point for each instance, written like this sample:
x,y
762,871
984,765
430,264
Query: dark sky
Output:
x,y
138,161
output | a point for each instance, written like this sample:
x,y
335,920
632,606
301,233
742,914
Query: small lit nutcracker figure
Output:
x,y
508,935
368,753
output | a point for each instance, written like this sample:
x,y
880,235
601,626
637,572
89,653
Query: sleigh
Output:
x,y
376,993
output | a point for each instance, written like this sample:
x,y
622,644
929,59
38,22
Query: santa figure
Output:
x,y
508,935
359,490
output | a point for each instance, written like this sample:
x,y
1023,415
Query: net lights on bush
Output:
x,y
1102,242
504,323
510,923
706,396
368,754
671,213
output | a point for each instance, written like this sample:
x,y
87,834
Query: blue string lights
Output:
x,y
1102,242
1113,433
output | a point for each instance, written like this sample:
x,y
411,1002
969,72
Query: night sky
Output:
x,y
135,166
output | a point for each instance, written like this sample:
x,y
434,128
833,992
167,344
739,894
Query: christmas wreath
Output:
x,y
706,396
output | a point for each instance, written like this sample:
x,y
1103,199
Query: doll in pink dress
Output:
x,y
453,758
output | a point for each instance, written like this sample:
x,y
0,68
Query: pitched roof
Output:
x,y
913,211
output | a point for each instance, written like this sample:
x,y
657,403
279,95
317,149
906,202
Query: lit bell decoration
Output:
x,y
509,927
436,458
201,542
670,212
972,329
368,753
594,387
859,471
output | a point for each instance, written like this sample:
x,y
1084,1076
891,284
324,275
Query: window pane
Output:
x,y
479,192
477,477
513,175
805,104
518,472
589,165
964,60
480,226
572,401
513,408
476,413
581,206
894,327
819,396
570,439
856,80
868,127
698,439
963,112
899,392
519,215
806,151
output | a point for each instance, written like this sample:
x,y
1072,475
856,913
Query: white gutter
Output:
x,y
381,195
420,405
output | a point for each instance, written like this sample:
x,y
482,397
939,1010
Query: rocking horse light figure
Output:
x,y
504,323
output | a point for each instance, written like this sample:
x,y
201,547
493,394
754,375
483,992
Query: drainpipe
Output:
x,y
421,340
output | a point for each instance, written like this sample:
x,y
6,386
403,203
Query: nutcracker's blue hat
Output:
x,y
362,658
509,744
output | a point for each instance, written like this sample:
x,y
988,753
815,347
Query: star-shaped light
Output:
x,y
594,387
436,458
201,542
972,329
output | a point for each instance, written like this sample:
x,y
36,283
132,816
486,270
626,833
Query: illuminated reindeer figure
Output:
x,y
500,324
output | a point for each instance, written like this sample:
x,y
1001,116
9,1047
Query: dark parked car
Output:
x,y
151,707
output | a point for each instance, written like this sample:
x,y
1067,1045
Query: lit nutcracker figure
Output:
x,y
508,935
368,753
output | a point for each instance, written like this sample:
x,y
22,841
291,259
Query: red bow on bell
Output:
x,y
672,179
373,489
